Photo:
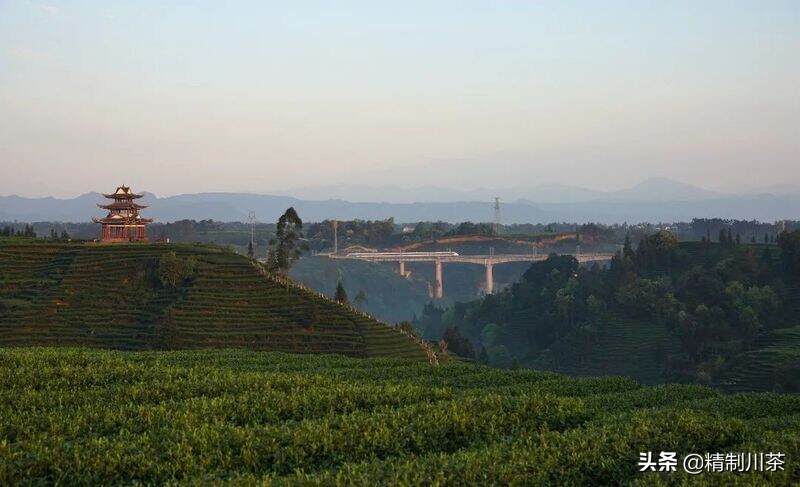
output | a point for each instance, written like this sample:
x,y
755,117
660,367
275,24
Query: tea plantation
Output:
x,y
129,297
79,416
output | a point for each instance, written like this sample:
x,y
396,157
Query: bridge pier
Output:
x,y
438,291
436,287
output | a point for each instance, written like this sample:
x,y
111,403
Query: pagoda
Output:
x,y
123,223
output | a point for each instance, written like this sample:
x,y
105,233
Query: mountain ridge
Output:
x,y
655,199
655,188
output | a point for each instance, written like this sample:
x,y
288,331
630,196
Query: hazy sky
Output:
x,y
186,96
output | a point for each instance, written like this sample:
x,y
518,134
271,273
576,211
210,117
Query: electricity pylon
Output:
x,y
251,219
496,215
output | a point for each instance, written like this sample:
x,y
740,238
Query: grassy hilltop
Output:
x,y
94,417
173,297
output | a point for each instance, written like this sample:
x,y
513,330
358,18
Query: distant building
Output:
x,y
123,223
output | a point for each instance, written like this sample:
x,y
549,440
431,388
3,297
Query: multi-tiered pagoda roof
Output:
x,y
123,223
123,193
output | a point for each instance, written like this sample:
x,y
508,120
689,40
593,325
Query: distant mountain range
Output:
x,y
653,200
653,189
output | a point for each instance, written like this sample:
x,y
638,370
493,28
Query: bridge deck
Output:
x,y
469,259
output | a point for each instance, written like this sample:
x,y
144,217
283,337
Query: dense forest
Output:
x,y
701,305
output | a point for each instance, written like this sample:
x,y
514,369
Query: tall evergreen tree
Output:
x,y
627,249
288,245
341,294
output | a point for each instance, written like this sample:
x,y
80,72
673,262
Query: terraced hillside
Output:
x,y
773,365
621,346
107,296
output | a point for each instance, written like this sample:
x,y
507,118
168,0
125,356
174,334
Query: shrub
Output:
x,y
172,271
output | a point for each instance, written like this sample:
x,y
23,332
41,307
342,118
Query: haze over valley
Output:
x,y
653,200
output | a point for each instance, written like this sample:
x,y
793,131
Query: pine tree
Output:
x,y
627,250
341,294
250,249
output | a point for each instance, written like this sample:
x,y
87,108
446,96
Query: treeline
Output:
x,y
16,231
388,233
378,233
235,234
28,232
720,230
716,298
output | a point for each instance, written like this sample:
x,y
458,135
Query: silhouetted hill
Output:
x,y
653,200
663,189
652,189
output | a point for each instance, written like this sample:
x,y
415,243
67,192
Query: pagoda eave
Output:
x,y
123,196
116,221
121,206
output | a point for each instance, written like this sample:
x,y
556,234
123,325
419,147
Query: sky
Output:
x,y
258,96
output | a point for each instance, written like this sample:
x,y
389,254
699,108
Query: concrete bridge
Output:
x,y
439,258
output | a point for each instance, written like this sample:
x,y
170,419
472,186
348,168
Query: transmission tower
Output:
x,y
335,224
496,224
251,219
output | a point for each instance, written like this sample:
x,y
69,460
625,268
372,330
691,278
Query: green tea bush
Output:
x,y
174,297
76,416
